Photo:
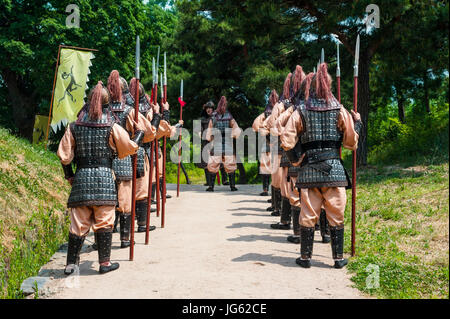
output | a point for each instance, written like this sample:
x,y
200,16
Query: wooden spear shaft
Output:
x,y
163,209
133,182
355,108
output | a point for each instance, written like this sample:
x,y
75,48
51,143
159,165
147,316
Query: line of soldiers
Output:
x,y
309,180
100,143
219,155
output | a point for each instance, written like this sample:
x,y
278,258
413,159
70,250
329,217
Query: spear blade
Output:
x,y
322,56
338,67
138,57
165,69
357,56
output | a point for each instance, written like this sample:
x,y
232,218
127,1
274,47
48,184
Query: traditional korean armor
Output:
x,y
321,140
93,183
122,168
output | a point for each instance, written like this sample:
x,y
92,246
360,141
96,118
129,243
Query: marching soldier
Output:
x,y
122,168
277,172
222,153
322,125
208,109
265,164
91,142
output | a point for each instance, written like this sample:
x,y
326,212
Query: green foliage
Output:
x,y
422,139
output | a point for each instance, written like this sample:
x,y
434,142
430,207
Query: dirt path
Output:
x,y
214,245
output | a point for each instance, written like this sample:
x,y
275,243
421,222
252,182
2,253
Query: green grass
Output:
x,y
402,225
32,205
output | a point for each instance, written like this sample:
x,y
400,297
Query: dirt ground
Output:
x,y
213,245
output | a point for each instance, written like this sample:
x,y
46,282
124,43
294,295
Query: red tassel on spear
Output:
x,y
355,108
133,183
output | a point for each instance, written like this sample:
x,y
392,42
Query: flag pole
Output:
x,y
53,96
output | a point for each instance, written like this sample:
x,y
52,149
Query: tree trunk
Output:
x,y
23,106
401,105
363,107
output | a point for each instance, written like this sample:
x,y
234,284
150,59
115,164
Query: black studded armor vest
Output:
x,y
122,168
93,183
321,140
222,123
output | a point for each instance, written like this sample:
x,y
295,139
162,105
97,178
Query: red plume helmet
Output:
x,y
298,78
99,97
132,89
286,86
307,85
323,82
273,98
222,105
114,86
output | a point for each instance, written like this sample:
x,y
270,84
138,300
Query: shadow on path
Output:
x,y
273,259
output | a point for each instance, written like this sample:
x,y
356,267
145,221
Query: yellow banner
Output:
x,y
40,128
70,89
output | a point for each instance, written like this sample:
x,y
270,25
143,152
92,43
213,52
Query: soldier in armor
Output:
x,y
222,153
151,113
91,142
208,109
163,128
121,105
265,164
290,201
322,125
278,108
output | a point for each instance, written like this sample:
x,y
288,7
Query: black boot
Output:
x,y
295,212
206,177
324,227
232,182
104,237
94,245
73,252
277,203
125,224
212,181
285,220
272,198
141,213
153,196
306,246
224,176
161,189
116,221
265,184
337,246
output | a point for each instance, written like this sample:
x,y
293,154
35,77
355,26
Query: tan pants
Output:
x,y
333,200
124,196
265,164
292,193
276,177
228,161
284,185
84,217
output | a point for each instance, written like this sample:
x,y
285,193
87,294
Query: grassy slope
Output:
x,y
402,227
33,194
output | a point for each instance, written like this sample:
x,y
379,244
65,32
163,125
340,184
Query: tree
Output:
x,y
30,32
